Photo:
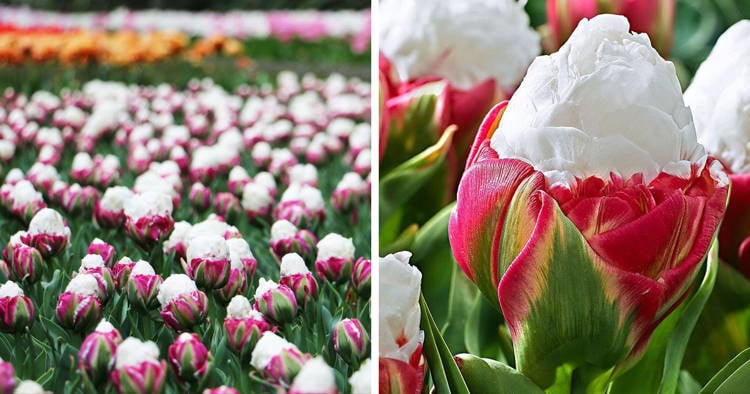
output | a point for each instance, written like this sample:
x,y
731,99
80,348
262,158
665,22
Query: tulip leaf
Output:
x,y
445,373
734,377
681,335
688,384
482,336
400,186
484,375
403,241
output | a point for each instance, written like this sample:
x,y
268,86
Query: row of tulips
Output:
x,y
284,25
21,46
593,211
273,223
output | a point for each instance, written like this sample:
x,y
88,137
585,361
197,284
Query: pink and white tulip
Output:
x,y
47,232
278,359
138,368
96,357
16,310
335,258
79,306
244,326
183,306
189,358
296,276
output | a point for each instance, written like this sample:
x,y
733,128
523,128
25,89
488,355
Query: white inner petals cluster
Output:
x,y
605,103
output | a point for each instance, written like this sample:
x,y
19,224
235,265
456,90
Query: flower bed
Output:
x,y
213,237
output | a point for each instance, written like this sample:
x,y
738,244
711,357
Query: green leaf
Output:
x,y
399,185
733,377
443,368
688,384
482,336
489,376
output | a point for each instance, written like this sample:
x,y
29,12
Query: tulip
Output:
x,y
656,18
360,379
7,377
109,211
143,285
302,174
26,262
604,212
335,258
77,199
24,200
96,357
106,171
281,160
208,261
82,169
137,368
93,264
276,302
238,178
279,360
315,377
148,218
103,249
401,365
350,339
349,193
717,98
16,310
121,272
29,387
227,205
79,306
177,241
296,276
48,232
200,197
241,256
257,201
244,326
301,205
189,358
183,306
361,277
286,238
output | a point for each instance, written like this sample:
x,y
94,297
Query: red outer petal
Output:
x,y
398,377
486,129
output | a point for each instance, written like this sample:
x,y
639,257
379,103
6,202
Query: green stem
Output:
x,y
589,380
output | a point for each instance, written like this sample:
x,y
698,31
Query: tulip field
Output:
x,y
162,236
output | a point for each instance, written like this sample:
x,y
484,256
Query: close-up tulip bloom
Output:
x,y
183,306
278,359
142,286
80,305
148,218
47,232
275,301
244,326
207,261
350,339
335,258
315,377
16,310
287,238
189,357
296,276
604,202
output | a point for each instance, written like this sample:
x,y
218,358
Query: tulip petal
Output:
x,y
479,219
734,235
541,295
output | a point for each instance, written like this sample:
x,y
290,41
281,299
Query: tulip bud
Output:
x,y
103,249
268,181
302,174
241,255
276,302
279,360
24,200
96,358
350,339
227,205
315,377
177,241
221,390
302,205
361,277
296,276
148,218
281,160
286,238
107,170
189,358
26,262
335,258
48,232
200,197
208,261
143,285
183,306
109,211
16,310
360,380
121,272
257,201
350,192
238,178
82,168
244,326
77,199
137,367
7,377
94,265
79,306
